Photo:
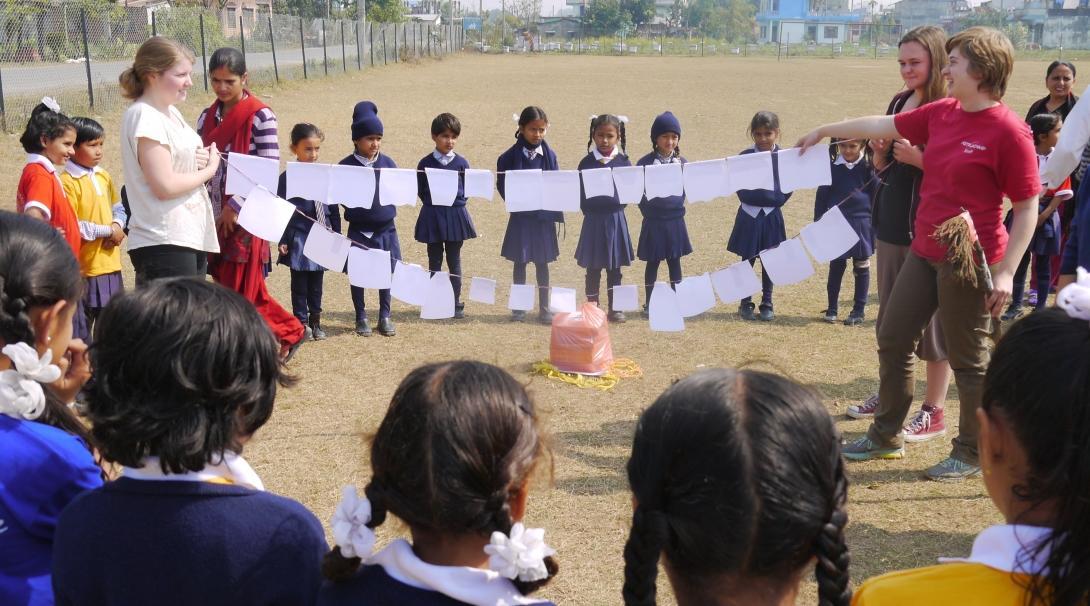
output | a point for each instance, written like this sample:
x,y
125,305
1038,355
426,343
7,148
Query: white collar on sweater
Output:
x,y
616,151
535,151
470,585
40,159
233,468
363,160
1009,548
444,159
840,161
671,160
79,171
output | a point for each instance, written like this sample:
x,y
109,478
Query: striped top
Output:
x,y
264,143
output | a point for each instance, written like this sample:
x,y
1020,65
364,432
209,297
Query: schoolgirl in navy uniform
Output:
x,y
531,235
663,235
445,227
373,227
759,224
852,188
604,242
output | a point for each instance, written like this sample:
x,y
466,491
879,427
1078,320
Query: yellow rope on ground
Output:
x,y
621,368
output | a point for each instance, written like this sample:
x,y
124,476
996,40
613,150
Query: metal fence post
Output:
x,y
385,59
154,31
272,43
325,53
303,46
344,57
3,113
371,30
396,53
87,59
359,49
204,52
242,37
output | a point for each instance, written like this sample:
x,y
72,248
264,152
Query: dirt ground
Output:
x,y
314,443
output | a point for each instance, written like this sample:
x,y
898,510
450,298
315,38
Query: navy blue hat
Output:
x,y
365,120
665,123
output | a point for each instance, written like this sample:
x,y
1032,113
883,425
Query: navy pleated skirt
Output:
x,y
529,239
604,241
865,246
662,239
1046,238
444,224
751,235
383,240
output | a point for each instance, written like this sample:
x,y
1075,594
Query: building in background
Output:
x,y
817,21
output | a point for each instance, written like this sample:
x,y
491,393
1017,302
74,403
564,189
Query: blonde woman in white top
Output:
x,y
171,225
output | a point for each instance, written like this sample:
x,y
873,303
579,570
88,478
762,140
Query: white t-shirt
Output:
x,y
183,221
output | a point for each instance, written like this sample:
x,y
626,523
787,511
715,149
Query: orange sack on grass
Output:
x,y
580,341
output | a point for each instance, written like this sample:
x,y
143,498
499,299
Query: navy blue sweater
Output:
x,y
459,164
846,182
670,207
143,542
377,218
764,197
601,204
515,159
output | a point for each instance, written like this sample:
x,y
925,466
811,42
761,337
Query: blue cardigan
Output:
x,y
514,159
145,542
669,207
845,183
459,164
763,197
601,204
377,218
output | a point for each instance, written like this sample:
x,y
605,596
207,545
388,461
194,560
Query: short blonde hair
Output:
x,y
155,56
990,55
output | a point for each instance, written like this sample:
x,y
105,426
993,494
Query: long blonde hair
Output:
x,y
933,40
155,56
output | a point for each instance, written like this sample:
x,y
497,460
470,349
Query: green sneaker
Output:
x,y
863,449
952,470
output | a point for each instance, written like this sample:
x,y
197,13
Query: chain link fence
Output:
x,y
75,53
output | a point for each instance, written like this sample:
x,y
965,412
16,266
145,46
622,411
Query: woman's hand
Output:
x,y
283,249
228,220
75,368
202,157
905,153
809,140
212,163
1002,285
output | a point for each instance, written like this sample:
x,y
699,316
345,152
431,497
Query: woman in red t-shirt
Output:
x,y
977,152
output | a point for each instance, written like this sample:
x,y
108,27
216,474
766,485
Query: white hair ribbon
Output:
x,y
515,117
1075,297
594,116
521,555
21,393
349,523
52,104
623,119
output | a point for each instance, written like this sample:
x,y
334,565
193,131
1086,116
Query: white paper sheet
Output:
x,y
597,182
562,300
705,180
750,171
352,186
804,171
523,190
735,282
397,187
245,171
308,180
626,297
629,183
482,290
369,268
829,237
695,295
443,186
264,215
522,297
439,302
663,309
560,190
787,263
479,183
410,283
663,180
326,248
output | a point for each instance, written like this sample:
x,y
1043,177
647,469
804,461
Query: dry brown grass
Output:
x,y
313,444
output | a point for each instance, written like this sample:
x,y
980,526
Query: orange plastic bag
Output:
x,y
580,341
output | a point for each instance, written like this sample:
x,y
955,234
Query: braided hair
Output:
x,y
37,269
736,474
459,441
607,120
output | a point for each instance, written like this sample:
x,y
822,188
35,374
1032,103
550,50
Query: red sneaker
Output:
x,y
925,425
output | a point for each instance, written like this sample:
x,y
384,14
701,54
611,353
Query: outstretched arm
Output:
x,y
869,127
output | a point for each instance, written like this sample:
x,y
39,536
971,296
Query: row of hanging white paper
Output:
x,y
267,216
526,190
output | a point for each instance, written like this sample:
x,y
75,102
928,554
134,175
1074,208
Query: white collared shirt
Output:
x,y
840,161
532,153
233,468
605,159
668,160
475,586
1009,548
444,159
364,161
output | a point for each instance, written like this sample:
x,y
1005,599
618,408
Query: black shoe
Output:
x,y
460,311
318,333
746,310
766,314
617,317
1011,313
855,318
829,316
363,328
386,327
518,315
545,317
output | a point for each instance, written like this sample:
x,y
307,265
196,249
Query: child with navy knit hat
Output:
x,y
663,235
372,227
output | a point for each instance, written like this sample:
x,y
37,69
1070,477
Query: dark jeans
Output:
x,y
542,271
167,261
594,282
306,294
1042,264
454,263
651,273
861,269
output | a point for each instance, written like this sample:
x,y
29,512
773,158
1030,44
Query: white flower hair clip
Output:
x,y
1075,297
521,555
21,393
594,116
623,119
350,530
52,104
515,117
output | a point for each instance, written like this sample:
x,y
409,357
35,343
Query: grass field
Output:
x,y
314,443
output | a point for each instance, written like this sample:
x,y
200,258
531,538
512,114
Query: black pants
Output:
x,y
1043,265
651,273
167,261
454,263
306,294
861,269
594,283
542,271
